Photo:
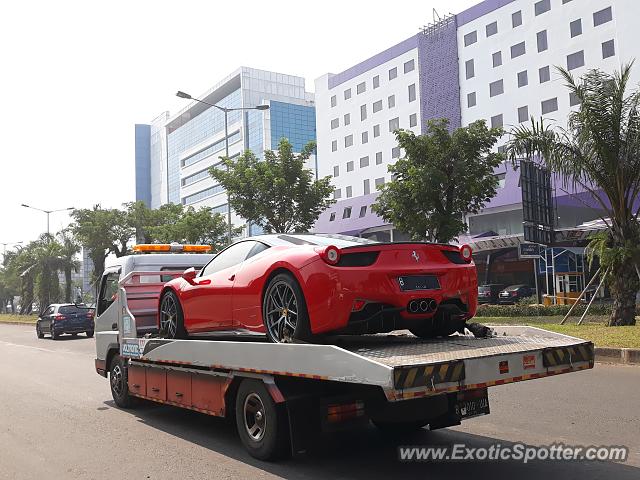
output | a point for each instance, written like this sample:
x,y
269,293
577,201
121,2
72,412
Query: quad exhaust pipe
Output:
x,y
424,305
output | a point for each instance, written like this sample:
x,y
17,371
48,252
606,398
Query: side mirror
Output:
x,y
189,275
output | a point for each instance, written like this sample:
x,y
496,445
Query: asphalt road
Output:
x,y
57,421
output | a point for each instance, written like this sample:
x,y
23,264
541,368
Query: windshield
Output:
x,y
71,309
484,289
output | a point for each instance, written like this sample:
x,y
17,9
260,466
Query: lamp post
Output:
x,y
48,212
226,111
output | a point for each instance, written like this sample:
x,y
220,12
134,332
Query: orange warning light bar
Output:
x,y
170,247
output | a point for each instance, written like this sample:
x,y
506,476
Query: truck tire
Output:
x,y
282,298
171,316
118,380
262,425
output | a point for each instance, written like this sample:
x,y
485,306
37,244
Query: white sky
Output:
x,y
75,76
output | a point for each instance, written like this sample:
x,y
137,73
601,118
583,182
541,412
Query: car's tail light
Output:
x,y
465,251
331,255
514,293
348,411
59,317
89,314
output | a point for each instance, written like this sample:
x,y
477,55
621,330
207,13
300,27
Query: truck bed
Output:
x,y
402,365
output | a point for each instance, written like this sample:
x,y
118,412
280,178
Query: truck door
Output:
x,y
207,303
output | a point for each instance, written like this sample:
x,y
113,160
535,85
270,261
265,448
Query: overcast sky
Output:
x,y
75,76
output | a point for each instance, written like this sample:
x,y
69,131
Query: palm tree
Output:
x,y
69,249
599,152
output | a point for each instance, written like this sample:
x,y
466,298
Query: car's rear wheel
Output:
x,y
171,316
89,333
118,381
54,335
261,424
284,311
39,332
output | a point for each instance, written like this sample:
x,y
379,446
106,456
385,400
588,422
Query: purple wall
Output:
x,y
373,62
439,85
353,225
479,10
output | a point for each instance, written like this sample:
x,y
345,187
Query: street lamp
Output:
x,y
48,212
226,111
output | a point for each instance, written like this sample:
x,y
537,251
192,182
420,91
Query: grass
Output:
x,y
28,319
594,328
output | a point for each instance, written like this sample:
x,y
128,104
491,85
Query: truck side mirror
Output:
x,y
189,275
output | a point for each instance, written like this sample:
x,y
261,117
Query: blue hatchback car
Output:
x,y
61,318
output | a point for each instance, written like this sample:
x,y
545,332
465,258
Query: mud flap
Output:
x,y
304,425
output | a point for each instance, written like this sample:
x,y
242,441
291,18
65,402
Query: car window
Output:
x,y
108,291
70,309
257,248
48,311
233,255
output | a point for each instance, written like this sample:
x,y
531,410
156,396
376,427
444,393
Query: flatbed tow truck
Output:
x,y
283,395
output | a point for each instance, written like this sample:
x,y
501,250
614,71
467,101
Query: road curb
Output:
x,y
629,356
17,323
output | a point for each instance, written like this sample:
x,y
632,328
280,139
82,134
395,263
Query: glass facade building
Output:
x,y
297,123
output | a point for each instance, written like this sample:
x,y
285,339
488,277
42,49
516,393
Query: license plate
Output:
x,y
472,406
419,282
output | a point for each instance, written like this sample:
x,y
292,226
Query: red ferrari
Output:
x,y
295,286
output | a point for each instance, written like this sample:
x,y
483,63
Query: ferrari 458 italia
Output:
x,y
294,286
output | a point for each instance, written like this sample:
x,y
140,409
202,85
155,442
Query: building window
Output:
x,y
336,170
409,66
542,41
335,123
346,213
549,106
608,49
363,211
347,94
393,73
575,60
379,182
502,179
518,49
469,70
497,59
544,74
523,79
391,101
376,130
334,145
394,124
334,101
602,16
363,112
364,161
395,152
575,28
471,99
565,1
376,81
516,19
491,29
470,38
496,121
496,88
332,217
378,158
542,6
349,192
412,92
348,141
350,166
573,99
377,106
365,137
361,88
413,120
347,119
337,194
523,114
366,188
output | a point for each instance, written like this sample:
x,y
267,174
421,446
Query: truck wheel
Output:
x,y
284,311
398,428
171,316
119,383
261,424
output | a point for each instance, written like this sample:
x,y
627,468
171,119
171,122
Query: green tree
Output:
x,y
68,251
277,193
442,176
599,152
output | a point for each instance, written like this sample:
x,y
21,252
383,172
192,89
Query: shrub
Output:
x,y
526,310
